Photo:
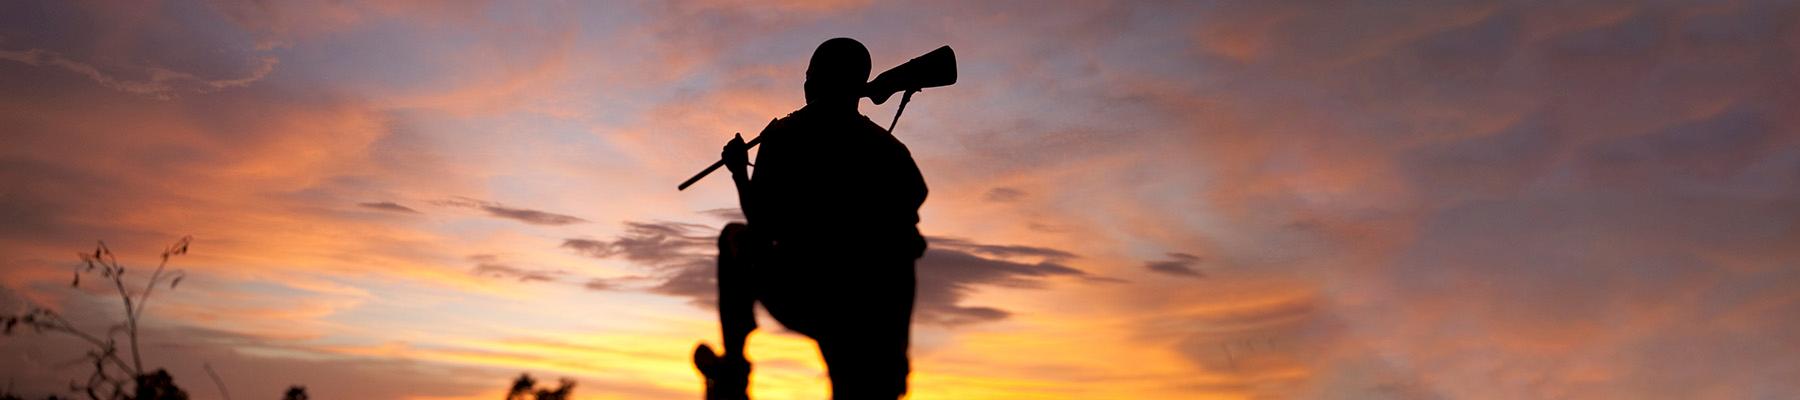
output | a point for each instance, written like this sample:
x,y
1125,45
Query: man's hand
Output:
x,y
736,155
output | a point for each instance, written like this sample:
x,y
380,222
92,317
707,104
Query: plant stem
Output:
x,y
118,278
217,381
63,325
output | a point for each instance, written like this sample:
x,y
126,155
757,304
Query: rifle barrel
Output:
x,y
716,164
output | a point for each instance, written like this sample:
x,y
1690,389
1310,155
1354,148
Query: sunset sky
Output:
x,y
419,199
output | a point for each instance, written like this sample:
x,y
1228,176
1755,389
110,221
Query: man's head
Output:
x,y
839,69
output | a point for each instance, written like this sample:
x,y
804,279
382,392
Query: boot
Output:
x,y
726,378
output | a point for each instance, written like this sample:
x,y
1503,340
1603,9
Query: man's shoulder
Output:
x,y
802,120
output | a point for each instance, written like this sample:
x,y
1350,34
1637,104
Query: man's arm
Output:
x,y
737,158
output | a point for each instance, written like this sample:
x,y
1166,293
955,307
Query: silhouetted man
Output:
x,y
831,237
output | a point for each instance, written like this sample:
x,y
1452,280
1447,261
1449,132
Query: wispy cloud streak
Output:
x,y
529,216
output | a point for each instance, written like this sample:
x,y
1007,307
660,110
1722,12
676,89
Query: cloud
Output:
x,y
658,244
162,83
388,206
1595,166
728,214
259,172
276,24
529,216
952,269
533,217
1004,195
682,257
1178,264
1001,251
599,284
143,51
589,247
489,265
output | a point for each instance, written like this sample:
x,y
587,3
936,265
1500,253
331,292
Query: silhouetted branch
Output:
x,y
102,384
216,381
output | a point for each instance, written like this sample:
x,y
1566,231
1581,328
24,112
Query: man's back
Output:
x,y
837,181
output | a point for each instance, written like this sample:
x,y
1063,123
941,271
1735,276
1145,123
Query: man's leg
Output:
x,y
871,366
737,290
728,376
865,352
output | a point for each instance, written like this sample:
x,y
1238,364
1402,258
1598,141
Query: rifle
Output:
x,y
937,68
715,165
